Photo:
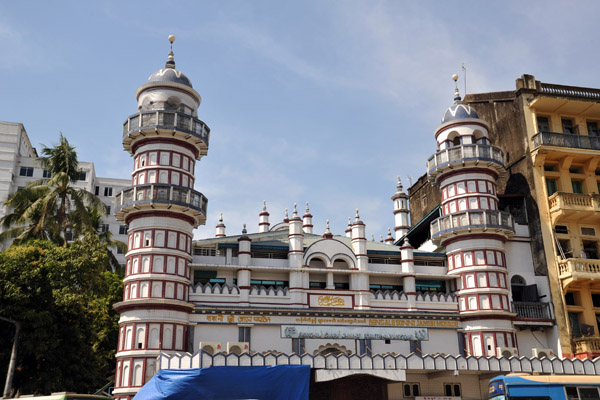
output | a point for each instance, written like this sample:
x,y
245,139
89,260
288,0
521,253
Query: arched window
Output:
x,y
316,262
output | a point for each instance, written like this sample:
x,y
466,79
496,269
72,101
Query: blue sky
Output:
x,y
319,101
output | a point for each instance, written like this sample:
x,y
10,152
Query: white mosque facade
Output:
x,y
414,322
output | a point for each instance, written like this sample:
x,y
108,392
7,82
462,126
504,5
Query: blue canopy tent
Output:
x,y
280,382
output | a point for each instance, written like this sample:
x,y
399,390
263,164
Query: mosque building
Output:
x,y
378,320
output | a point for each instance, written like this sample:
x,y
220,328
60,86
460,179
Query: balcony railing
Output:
x,y
489,219
171,120
587,344
566,140
577,266
574,201
570,91
161,193
532,310
465,153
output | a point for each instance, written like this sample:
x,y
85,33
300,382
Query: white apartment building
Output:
x,y
19,165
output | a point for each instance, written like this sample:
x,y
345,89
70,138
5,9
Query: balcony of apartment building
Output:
x,y
561,135
583,312
578,269
574,207
531,310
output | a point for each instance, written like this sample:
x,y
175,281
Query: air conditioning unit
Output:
x,y
211,347
506,352
539,353
238,347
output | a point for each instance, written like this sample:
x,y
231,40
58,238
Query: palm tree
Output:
x,y
51,208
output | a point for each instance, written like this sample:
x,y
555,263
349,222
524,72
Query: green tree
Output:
x,y
63,297
95,214
51,208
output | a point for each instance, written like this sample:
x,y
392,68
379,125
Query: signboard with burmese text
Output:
x,y
330,301
352,332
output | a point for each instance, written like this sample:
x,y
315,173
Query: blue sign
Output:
x,y
496,388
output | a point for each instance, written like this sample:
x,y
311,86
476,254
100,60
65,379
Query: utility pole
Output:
x,y
13,357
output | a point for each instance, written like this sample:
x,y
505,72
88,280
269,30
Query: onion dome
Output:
x,y
458,110
169,73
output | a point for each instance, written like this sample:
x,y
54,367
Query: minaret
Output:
x,y
400,211
307,225
220,227
263,223
471,228
165,138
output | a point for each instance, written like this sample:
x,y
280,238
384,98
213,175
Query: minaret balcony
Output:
x,y
574,207
168,123
161,197
480,221
467,155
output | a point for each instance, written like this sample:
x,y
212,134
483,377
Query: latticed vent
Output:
x,y
587,231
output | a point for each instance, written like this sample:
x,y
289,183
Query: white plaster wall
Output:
x,y
215,333
440,341
528,339
265,338
395,346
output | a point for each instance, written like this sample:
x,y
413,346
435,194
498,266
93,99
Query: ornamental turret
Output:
x,y
220,228
472,230
307,225
263,219
165,139
401,212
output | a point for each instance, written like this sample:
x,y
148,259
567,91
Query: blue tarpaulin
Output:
x,y
280,382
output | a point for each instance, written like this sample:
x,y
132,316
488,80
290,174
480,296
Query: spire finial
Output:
x,y
220,217
264,205
327,234
372,238
456,93
170,60
286,218
307,210
380,238
244,231
399,185
295,214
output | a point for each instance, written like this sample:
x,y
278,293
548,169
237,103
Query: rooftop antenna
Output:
x,y
464,69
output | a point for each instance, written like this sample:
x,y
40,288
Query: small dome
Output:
x,y
459,111
170,75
